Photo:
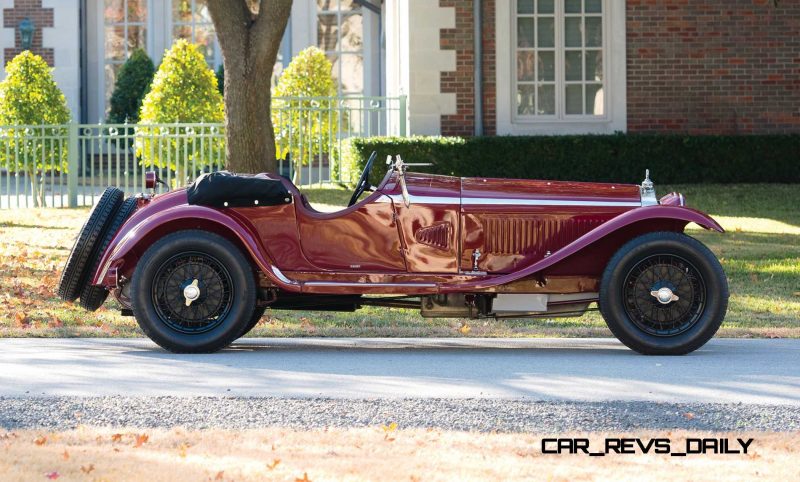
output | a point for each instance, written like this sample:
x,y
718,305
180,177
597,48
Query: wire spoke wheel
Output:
x,y
193,292
664,295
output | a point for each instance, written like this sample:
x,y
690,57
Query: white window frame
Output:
x,y
614,116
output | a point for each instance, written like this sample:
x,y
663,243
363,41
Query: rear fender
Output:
x,y
137,235
657,218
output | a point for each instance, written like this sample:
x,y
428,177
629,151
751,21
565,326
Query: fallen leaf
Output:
x,y
40,440
141,439
220,475
182,450
389,428
65,455
52,475
87,469
304,479
273,464
465,328
117,437
22,319
688,415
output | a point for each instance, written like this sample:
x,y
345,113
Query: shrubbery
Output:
x,y
30,97
133,83
613,158
184,90
305,129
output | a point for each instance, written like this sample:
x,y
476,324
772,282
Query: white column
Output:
x,y
64,39
414,61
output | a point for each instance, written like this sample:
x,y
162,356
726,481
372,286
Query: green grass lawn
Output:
x,y
760,254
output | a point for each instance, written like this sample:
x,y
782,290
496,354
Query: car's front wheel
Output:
x,y
193,292
664,293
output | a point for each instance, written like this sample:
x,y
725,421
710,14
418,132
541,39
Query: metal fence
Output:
x,y
70,165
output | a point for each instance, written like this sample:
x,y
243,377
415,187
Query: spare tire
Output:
x,y
93,297
74,275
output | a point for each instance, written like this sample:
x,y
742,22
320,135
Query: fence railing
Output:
x,y
70,165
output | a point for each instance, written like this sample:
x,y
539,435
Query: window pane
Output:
x,y
204,38
594,6
573,66
181,11
594,65
137,10
136,37
594,32
525,6
547,35
572,32
348,5
574,95
572,6
525,32
115,43
594,99
526,65
526,100
110,71
547,66
546,6
352,33
327,32
352,73
114,11
182,32
547,99
327,4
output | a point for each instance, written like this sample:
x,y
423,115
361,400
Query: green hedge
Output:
x,y
672,159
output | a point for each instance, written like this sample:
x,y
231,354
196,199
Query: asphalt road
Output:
x,y
725,371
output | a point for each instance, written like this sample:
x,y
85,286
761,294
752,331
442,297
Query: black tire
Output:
x,y
73,277
254,319
93,297
208,261
689,271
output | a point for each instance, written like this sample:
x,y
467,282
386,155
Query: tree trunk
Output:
x,y
250,136
249,41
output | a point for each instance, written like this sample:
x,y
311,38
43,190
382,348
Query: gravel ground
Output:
x,y
58,413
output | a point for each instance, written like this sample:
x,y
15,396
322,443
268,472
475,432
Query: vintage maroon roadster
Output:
x,y
197,267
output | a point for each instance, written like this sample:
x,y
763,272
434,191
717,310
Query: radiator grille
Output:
x,y
437,236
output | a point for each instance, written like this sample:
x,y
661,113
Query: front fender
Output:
x,y
668,214
182,217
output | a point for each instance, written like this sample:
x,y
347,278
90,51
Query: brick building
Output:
x,y
479,66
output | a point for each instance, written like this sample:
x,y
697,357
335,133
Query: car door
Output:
x,y
429,224
361,238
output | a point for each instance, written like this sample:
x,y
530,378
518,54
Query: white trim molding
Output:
x,y
614,57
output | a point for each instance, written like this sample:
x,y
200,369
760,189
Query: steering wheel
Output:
x,y
363,181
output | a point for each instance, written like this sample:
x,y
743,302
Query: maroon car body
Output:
x,y
450,246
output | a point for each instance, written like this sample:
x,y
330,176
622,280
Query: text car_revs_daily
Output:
x,y
663,446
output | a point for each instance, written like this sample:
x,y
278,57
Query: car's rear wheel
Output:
x,y
193,292
664,293
92,297
74,275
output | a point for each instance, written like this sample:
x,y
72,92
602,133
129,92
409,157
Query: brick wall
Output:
x,y
717,66
460,81
41,17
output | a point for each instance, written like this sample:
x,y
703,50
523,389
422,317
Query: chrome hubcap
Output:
x,y
191,292
664,295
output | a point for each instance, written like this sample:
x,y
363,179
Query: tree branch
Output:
x,y
232,18
264,35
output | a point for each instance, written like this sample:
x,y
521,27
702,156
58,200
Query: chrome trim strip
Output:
x,y
380,285
477,201
279,274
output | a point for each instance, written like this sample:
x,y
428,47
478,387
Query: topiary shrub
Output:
x,y
184,90
305,128
30,97
133,83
